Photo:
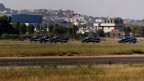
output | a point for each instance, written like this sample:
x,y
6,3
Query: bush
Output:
x,y
10,36
15,36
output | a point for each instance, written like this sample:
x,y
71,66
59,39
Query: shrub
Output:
x,y
9,36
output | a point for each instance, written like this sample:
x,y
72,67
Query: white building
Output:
x,y
108,25
83,30
76,19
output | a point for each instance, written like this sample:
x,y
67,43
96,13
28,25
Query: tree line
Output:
x,y
6,27
14,30
137,30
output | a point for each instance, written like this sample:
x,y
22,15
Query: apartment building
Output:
x,y
112,26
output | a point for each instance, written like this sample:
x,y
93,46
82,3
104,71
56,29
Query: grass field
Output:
x,y
73,48
76,73
128,72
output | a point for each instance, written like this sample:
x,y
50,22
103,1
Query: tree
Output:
x,y
22,28
100,33
134,29
44,28
127,30
51,29
5,26
118,20
38,26
30,29
16,26
138,30
74,29
142,31
61,30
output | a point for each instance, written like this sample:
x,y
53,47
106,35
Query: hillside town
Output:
x,y
68,18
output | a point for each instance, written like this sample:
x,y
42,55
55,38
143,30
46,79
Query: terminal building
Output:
x,y
26,18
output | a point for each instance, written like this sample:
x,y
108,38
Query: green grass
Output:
x,y
73,48
75,73
129,72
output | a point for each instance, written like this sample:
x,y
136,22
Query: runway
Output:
x,y
70,60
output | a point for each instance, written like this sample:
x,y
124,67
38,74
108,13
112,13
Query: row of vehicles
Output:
x,y
65,39
130,39
45,39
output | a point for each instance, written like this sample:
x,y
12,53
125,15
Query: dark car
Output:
x,y
91,39
128,39
59,39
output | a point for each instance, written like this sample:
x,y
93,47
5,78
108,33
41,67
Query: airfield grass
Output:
x,y
14,48
75,73
127,72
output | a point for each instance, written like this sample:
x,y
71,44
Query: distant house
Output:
x,y
109,24
116,33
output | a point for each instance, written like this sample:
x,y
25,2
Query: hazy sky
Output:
x,y
133,9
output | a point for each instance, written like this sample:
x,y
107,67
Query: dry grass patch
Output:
x,y
75,73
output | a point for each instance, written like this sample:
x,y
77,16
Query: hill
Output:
x,y
2,7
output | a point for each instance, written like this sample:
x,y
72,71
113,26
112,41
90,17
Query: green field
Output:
x,y
75,73
72,48
127,72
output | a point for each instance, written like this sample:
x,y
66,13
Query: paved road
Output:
x,y
70,60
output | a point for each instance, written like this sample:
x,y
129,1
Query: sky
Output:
x,y
132,9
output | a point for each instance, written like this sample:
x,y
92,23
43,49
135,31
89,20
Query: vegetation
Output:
x,y
53,28
138,30
75,73
22,29
72,48
5,26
